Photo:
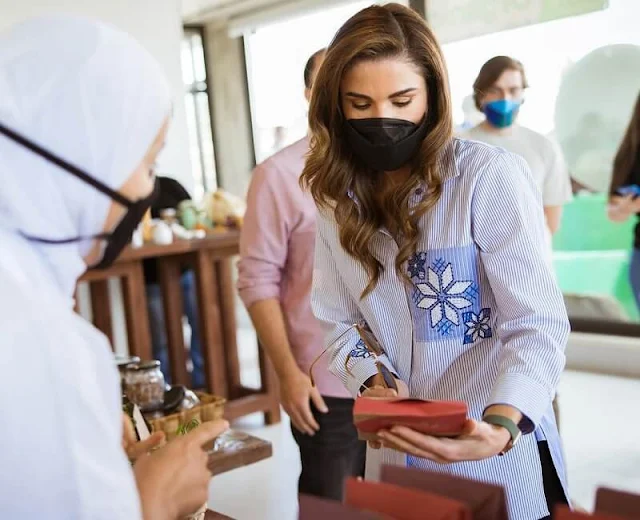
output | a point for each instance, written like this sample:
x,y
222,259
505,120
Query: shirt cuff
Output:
x,y
363,369
526,395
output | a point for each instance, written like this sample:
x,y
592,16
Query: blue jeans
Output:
x,y
634,275
159,334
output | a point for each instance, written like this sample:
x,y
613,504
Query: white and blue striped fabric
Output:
x,y
483,320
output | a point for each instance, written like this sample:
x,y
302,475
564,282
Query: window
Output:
x,y
194,74
276,56
547,51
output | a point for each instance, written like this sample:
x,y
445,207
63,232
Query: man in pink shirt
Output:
x,y
275,276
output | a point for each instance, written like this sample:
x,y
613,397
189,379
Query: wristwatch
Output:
x,y
509,425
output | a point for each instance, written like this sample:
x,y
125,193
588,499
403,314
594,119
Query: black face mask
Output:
x,y
385,144
118,239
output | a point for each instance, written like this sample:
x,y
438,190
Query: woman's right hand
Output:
x,y
377,389
174,480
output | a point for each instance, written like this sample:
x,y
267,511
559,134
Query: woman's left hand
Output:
x,y
132,446
479,440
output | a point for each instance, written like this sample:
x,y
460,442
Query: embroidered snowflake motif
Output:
x,y
360,351
416,265
477,326
444,296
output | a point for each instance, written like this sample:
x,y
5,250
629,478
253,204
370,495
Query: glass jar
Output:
x,y
122,362
144,385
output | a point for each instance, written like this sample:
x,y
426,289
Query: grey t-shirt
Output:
x,y
543,156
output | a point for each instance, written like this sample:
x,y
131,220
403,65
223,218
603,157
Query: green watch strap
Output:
x,y
505,422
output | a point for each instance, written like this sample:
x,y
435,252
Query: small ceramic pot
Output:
x,y
162,234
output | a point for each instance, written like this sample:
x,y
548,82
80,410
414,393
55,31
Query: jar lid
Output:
x,y
122,361
145,365
168,213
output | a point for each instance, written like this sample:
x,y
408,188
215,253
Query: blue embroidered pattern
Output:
x,y
417,265
444,297
445,289
360,351
477,325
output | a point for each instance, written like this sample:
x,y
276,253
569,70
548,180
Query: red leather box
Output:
x,y
485,501
564,513
437,418
402,503
625,505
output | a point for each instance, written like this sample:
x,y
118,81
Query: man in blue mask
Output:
x,y
499,94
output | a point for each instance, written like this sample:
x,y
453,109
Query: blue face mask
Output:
x,y
502,112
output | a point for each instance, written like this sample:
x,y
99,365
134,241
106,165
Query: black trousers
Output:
x,y
552,487
333,453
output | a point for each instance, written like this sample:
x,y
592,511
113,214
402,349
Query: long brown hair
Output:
x,y
331,173
627,152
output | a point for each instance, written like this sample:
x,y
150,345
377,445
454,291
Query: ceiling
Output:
x,y
199,11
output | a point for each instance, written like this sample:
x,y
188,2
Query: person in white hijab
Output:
x,y
83,115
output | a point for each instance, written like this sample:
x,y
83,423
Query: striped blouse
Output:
x,y
483,320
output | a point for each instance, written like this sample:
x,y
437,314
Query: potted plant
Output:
x,y
183,429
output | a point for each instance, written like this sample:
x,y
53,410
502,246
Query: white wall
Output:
x,y
157,25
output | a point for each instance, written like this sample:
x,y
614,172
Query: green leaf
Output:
x,y
185,428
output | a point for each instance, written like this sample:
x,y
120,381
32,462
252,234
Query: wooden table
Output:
x,y
211,260
235,450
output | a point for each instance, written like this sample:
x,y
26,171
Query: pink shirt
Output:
x,y
277,253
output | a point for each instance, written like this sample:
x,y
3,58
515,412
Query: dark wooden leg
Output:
x,y
229,326
169,277
270,387
101,308
211,334
135,304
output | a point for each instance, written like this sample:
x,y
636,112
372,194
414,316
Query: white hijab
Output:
x,y
90,94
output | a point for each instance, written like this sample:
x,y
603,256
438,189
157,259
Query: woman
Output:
x,y
438,245
626,172
83,115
